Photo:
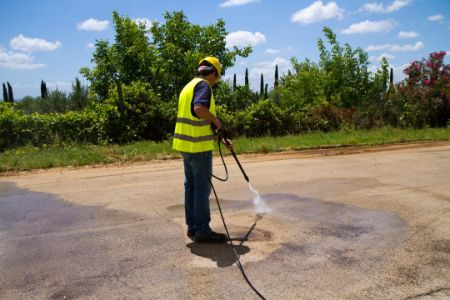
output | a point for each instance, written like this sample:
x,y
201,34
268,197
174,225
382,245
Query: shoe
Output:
x,y
191,234
211,237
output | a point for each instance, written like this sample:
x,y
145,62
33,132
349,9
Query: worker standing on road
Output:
x,y
194,138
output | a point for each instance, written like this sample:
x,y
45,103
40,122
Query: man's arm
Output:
x,y
204,113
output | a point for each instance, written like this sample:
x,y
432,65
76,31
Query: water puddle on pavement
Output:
x,y
51,249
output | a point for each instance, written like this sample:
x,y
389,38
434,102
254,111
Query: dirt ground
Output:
x,y
353,223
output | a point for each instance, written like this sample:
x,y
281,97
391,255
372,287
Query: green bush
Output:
x,y
139,113
263,118
18,129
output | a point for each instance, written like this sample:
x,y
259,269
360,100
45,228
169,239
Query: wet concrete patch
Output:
x,y
340,242
342,231
50,248
441,246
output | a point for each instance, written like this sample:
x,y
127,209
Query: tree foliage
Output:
x,y
167,61
346,79
5,93
44,90
10,93
425,92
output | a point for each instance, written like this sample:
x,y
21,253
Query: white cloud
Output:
x,y
90,45
378,47
17,61
407,34
387,55
229,3
93,25
317,12
27,44
396,48
407,47
398,72
379,7
436,18
147,22
267,68
272,51
397,4
373,7
369,27
244,38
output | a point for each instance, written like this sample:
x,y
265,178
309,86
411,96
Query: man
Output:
x,y
195,139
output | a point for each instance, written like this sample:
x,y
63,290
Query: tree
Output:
x,y
304,89
391,77
425,91
266,94
234,81
276,77
391,89
5,93
246,78
378,96
10,93
261,87
79,95
167,61
44,90
347,76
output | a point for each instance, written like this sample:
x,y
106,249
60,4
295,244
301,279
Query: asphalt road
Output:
x,y
370,225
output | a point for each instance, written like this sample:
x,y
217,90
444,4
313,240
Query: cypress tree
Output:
x,y
5,93
261,87
10,93
246,77
44,91
391,88
266,94
77,94
234,81
391,77
276,77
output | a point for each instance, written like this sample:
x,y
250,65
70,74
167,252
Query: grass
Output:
x,y
28,158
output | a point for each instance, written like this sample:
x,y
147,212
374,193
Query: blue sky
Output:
x,y
52,39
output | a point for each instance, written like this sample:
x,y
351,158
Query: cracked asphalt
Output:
x,y
372,224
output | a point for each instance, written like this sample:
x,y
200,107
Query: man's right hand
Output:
x,y
217,124
204,113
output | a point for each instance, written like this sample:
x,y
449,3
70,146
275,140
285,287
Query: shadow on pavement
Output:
x,y
222,254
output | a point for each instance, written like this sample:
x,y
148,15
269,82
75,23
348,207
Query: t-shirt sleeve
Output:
x,y
202,96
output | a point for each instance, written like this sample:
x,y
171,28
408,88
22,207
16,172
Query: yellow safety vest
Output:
x,y
192,134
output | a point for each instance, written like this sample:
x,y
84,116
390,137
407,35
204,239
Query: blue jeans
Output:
x,y
197,188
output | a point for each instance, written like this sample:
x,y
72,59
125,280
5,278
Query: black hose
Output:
x,y
238,261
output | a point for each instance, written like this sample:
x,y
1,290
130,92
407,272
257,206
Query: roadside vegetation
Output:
x,y
128,110
29,157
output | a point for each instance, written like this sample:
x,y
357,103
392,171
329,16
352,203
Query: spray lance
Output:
x,y
258,202
221,135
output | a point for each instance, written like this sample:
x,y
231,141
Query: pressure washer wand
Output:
x,y
237,161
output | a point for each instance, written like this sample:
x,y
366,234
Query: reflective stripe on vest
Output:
x,y
191,133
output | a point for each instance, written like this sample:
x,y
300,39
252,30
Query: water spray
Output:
x,y
258,202
260,206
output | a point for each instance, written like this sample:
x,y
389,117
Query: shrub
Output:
x,y
263,118
18,129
